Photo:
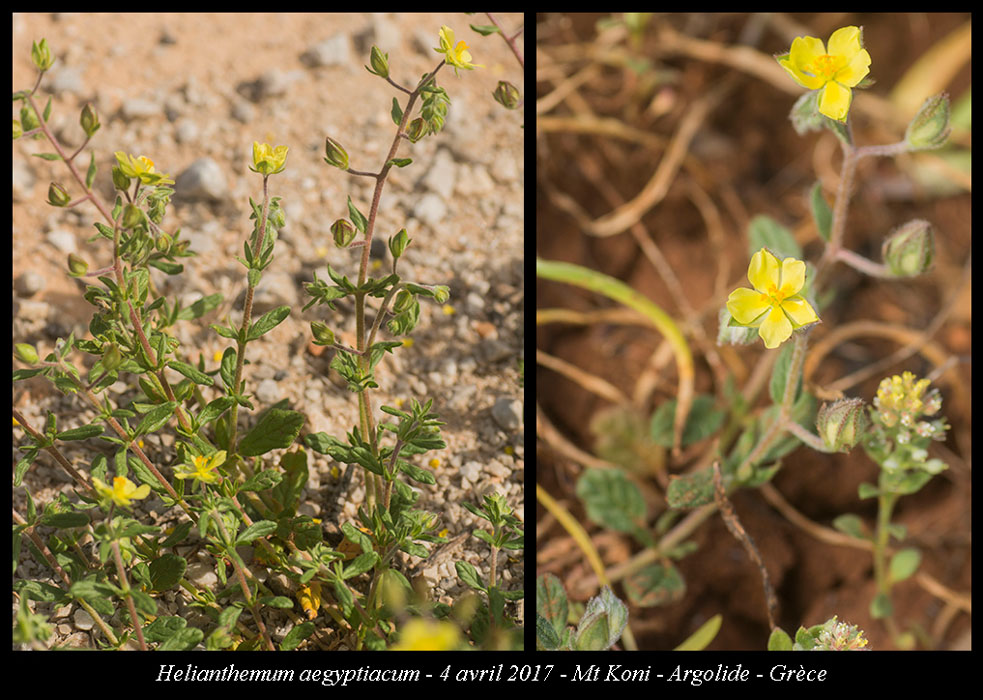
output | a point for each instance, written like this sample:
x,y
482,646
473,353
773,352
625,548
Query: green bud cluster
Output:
x,y
910,250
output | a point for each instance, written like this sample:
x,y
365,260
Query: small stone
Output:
x,y
186,131
29,284
66,79
136,108
493,350
333,51
473,180
431,209
268,391
440,176
507,413
202,180
83,620
242,111
202,575
63,240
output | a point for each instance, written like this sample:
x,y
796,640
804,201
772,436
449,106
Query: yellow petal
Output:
x,y
834,101
763,272
793,276
855,71
805,50
747,306
776,328
844,42
799,311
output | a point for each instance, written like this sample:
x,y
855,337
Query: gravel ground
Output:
x,y
193,92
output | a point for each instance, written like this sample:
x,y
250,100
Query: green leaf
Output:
x,y
166,571
701,638
156,418
400,162
866,490
655,585
296,635
603,622
65,520
397,112
611,499
356,216
704,420
47,156
904,563
214,409
881,607
260,528
268,322
484,29
852,525
779,640
200,307
416,473
287,492
278,428
546,637
470,576
690,490
360,564
266,479
765,232
90,174
821,213
779,374
80,433
191,373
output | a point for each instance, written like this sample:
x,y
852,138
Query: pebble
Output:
x,y
473,180
268,391
431,209
29,284
202,575
83,620
507,413
137,108
66,79
202,180
492,350
440,177
186,131
63,240
333,51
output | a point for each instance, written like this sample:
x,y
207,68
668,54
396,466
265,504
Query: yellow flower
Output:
x,y
428,635
775,306
268,160
143,168
834,68
202,468
456,54
122,491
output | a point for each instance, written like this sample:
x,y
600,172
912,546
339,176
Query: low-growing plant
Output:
x,y
219,465
743,445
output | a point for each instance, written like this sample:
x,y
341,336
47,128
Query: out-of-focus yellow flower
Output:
x,y
201,468
268,160
834,68
434,463
122,491
428,635
447,309
143,168
457,54
774,306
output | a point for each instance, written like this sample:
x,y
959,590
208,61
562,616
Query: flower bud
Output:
x,y
18,129
416,130
121,180
507,95
41,55
336,155
29,118
403,301
322,334
57,196
910,249
930,127
26,353
77,266
398,243
343,231
89,120
132,216
441,293
842,423
379,63
111,357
